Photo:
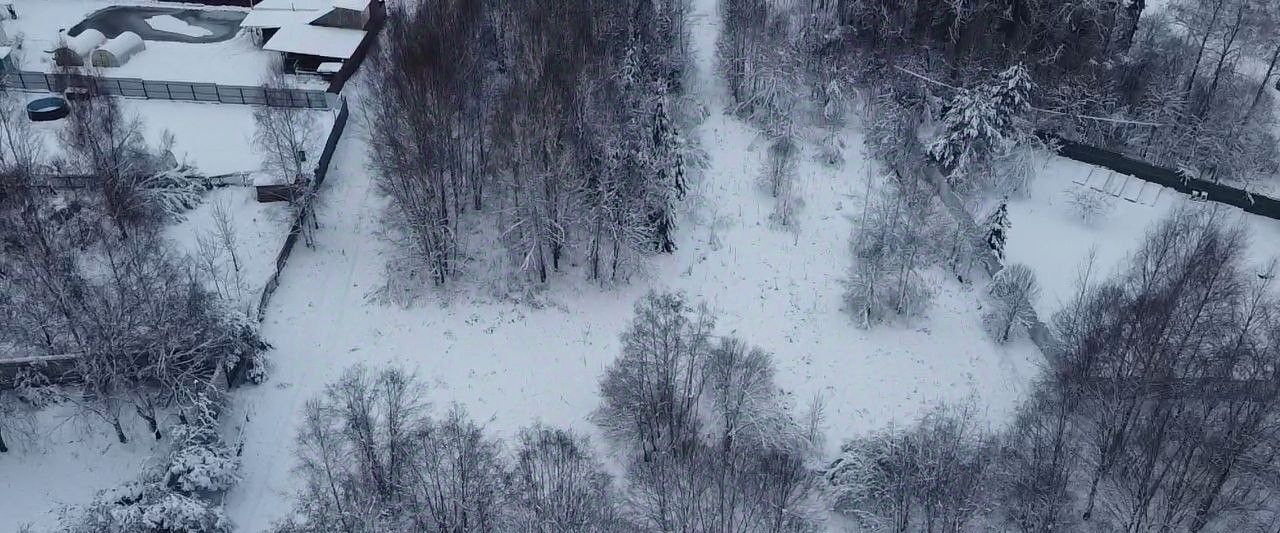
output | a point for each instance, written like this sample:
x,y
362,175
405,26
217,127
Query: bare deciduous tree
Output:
x,y
1013,292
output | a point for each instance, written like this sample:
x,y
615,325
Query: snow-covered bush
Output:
x,y
831,150
997,229
251,347
146,508
200,461
174,191
779,180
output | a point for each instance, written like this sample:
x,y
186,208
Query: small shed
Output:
x,y
117,51
72,51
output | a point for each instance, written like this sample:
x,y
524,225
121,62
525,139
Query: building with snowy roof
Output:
x,y
72,51
117,50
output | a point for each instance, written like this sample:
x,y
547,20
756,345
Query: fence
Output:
x,y
322,170
1250,202
170,90
377,18
84,181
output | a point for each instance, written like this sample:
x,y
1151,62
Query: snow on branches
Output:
x,y
983,123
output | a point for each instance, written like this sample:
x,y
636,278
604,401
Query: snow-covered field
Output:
x,y
237,61
69,459
512,364
214,138
1048,234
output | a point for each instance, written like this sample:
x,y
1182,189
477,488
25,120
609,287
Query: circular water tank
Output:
x,y
46,109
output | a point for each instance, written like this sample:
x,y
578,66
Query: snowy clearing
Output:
x,y
69,460
1049,235
511,363
216,139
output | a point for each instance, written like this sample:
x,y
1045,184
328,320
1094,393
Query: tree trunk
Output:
x,y
150,417
1257,97
1195,69
1222,57
3,447
1134,12
115,422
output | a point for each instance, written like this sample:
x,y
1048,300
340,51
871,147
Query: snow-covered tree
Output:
x,y
669,181
1013,292
200,461
557,484
894,241
709,442
984,122
931,477
997,229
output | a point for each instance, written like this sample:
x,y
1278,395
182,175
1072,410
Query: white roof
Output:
x,y
292,5
267,179
354,5
273,18
320,41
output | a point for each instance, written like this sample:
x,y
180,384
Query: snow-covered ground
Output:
x,y
214,138
64,459
64,462
69,460
1048,234
259,230
512,364
237,61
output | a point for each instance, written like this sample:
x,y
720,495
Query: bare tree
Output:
x,y
930,478
709,443
108,143
558,486
1013,292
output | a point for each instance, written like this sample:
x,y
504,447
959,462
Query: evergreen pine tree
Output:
x,y
997,226
984,121
670,184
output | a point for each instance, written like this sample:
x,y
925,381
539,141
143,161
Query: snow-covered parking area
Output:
x,y
235,61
